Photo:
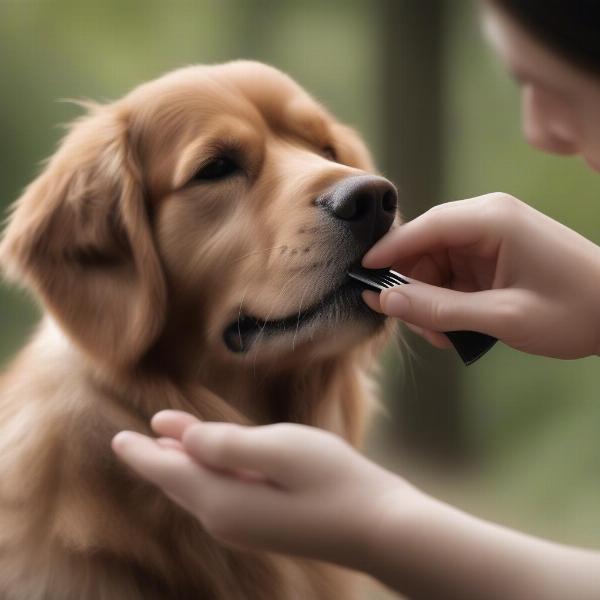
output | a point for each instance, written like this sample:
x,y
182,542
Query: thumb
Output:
x,y
441,309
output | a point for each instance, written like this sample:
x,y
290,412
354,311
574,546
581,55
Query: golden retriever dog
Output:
x,y
188,245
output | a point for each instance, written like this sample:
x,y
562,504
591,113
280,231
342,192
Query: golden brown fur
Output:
x,y
138,271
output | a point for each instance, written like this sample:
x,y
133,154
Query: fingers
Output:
x,y
267,450
449,225
371,299
167,442
226,446
172,423
224,504
253,453
162,464
439,340
440,309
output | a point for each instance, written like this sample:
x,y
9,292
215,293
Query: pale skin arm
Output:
x,y
301,491
291,489
494,264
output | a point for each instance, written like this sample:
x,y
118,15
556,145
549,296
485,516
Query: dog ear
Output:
x,y
80,236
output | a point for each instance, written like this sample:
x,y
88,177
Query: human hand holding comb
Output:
x,y
494,265
470,345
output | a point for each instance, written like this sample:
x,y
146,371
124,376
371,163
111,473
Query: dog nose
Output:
x,y
365,204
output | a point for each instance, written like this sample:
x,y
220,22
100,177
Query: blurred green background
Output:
x,y
513,438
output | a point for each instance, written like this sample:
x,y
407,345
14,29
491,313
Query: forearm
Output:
x,y
435,551
322,500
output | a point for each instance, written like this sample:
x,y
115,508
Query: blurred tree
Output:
x,y
427,420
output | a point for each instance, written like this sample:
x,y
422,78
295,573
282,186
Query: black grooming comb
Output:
x,y
470,345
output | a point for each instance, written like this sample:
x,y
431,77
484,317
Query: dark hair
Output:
x,y
571,28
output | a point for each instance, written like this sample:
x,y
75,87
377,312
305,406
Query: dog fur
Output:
x,y
138,267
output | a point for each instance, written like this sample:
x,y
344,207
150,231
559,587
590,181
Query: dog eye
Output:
x,y
218,168
330,153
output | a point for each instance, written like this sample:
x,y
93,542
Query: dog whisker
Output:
x,y
298,320
240,311
274,306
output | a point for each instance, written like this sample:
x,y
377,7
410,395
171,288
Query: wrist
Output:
x,y
359,515
392,514
427,549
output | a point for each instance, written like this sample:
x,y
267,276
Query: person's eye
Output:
x,y
217,168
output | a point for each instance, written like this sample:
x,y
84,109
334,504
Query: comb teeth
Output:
x,y
470,345
377,279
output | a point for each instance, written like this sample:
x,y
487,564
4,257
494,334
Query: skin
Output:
x,y
296,490
497,246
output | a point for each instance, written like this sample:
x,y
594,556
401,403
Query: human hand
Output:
x,y
494,264
285,488
298,490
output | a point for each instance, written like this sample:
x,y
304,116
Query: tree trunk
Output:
x,y
427,413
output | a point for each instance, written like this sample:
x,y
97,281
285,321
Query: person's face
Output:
x,y
560,103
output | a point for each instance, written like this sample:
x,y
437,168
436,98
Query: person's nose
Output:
x,y
366,205
549,122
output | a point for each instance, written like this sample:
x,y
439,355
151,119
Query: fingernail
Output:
x,y
371,299
168,412
395,304
121,439
366,259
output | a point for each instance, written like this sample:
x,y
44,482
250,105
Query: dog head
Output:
x,y
219,206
